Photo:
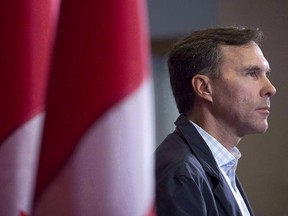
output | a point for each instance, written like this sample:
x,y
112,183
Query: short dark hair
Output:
x,y
199,53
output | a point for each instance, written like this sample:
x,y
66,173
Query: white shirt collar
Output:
x,y
222,156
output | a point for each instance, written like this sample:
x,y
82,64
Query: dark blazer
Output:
x,y
188,180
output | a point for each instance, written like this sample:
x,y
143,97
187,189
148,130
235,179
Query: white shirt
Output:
x,y
227,163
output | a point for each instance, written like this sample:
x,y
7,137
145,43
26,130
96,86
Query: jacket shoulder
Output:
x,y
182,187
175,159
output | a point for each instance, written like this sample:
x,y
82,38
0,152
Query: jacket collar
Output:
x,y
201,150
197,145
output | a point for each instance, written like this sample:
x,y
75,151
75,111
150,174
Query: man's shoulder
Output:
x,y
175,159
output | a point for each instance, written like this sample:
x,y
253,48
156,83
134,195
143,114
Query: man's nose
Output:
x,y
268,90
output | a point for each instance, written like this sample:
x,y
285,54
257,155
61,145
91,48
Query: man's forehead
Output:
x,y
248,55
246,51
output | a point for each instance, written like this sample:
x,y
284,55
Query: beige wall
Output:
x,y
263,169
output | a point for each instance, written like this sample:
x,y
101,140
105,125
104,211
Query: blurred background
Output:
x,y
263,166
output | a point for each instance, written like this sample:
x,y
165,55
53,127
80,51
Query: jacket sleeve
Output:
x,y
180,196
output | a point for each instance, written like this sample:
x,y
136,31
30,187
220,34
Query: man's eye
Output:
x,y
268,74
253,74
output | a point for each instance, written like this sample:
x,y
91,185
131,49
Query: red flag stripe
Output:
x,y
25,45
100,40
151,212
111,169
23,213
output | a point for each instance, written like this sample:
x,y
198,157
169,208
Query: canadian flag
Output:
x,y
25,43
96,153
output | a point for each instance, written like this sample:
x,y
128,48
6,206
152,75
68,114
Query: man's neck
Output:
x,y
218,130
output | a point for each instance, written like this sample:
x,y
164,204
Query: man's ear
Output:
x,y
202,86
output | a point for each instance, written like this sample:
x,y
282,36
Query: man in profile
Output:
x,y
220,81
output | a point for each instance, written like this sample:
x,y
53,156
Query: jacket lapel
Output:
x,y
201,150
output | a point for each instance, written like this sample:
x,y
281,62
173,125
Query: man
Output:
x,y
219,78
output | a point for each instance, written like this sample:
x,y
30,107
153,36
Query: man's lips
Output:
x,y
264,110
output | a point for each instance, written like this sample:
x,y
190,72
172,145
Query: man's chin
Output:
x,y
255,129
262,128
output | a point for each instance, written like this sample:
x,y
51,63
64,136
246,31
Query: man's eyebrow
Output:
x,y
256,68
